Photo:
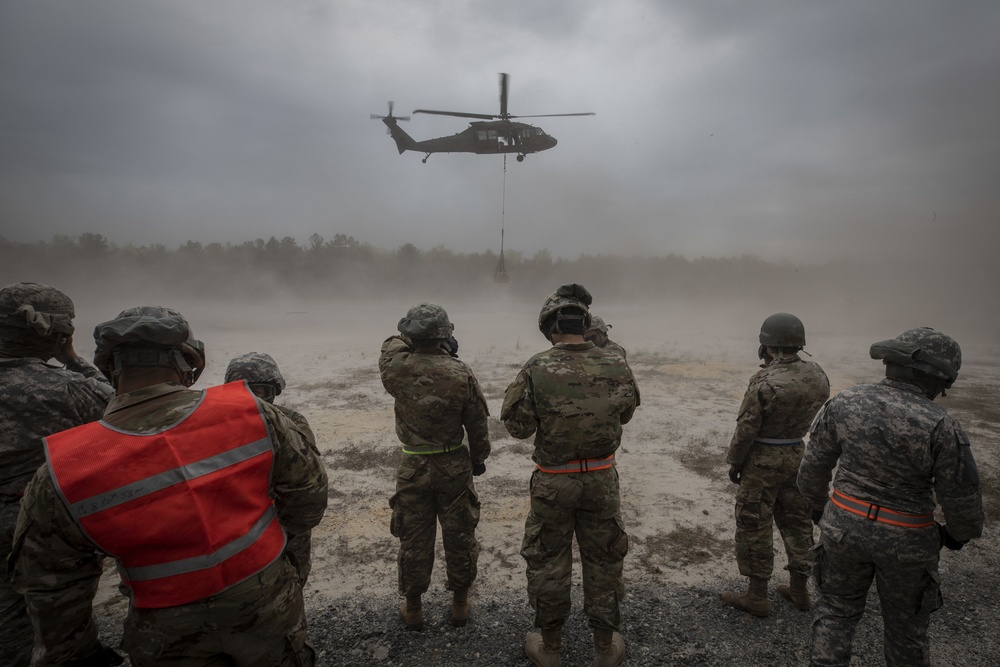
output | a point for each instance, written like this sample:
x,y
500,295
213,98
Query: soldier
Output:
x,y
192,492
574,398
895,452
264,378
36,398
437,402
779,404
597,333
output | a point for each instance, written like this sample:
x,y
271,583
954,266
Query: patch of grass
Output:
x,y
362,456
975,403
681,547
705,455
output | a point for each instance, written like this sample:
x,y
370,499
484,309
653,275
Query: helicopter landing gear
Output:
x,y
520,158
425,158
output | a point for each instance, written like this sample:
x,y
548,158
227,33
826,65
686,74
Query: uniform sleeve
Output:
x,y
636,400
518,411
819,459
747,425
474,419
394,350
956,481
57,570
299,480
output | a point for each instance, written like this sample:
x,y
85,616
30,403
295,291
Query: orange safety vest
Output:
x,y
184,510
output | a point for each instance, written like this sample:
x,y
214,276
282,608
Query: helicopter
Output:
x,y
494,134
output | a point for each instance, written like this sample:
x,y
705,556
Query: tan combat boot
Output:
x,y
754,601
412,613
609,648
460,607
542,648
796,591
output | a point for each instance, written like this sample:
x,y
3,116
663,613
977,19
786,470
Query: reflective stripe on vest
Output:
x,y
580,465
185,510
778,441
881,514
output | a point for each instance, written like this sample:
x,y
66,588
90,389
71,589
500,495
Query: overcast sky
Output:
x,y
790,130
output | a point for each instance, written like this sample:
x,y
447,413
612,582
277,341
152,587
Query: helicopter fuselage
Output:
x,y
482,137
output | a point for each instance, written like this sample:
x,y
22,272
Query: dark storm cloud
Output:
x,y
789,130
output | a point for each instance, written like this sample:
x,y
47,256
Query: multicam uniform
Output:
x,y
36,399
898,451
259,621
437,398
574,398
779,404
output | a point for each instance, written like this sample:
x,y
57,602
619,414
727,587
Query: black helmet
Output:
x,y
565,311
41,309
426,321
782,330
923,349
257,368
148,336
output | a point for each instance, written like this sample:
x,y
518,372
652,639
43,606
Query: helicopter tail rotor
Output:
x,y
375,116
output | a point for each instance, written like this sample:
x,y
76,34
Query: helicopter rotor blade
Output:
x,y
553,115
504,82
458,114
375,116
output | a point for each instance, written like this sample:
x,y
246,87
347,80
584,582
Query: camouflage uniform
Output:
x,y
36,399
259,368
598,334
779,405
895,448
437,402
574,398
260,621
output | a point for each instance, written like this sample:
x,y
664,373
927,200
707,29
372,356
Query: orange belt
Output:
x,y
581,465
882,514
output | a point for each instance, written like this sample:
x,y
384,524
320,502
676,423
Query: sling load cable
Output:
x,y
500,274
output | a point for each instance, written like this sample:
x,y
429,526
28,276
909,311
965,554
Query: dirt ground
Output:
x,y
677,500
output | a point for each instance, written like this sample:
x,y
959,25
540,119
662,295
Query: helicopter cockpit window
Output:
x,y
481,135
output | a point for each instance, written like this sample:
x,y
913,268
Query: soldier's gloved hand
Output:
x,y
452,346
734,474
947,540
478,469
103,656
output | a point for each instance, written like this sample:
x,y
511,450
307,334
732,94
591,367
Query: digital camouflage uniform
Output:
x,y
574,398
779,404
36,399
259,368
260,621
437,402
899,450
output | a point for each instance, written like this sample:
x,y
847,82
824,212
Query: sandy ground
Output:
x,y
677,500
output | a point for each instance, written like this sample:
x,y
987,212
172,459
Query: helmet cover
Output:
x,y
256,368
426,321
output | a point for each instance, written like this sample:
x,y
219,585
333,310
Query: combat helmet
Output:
x,y
598,324
566,311
260,372
782,330
34,307
426,321
923,350
148,336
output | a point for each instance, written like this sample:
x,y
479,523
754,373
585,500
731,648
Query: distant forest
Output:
x,y
343,267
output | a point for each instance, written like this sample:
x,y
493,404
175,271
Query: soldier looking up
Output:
x,y
897,454
192,492
573,398
36,399
437,403
779,404
262,375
